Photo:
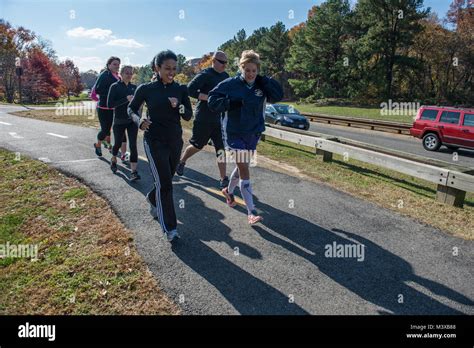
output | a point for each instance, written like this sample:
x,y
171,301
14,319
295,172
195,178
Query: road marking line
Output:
x,y
16,136
5,123
57,135
238,200
81,160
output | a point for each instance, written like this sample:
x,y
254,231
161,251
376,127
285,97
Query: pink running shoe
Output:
x,y
230,200
254,218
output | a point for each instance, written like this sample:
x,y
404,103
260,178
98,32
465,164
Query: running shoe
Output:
x,y
153,209
254,218
124,157
134,176
180,168
98,150
224,182
229,197
172,235
113,166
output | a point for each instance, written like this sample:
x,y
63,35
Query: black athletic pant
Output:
x,y
106,118
119,133
163,159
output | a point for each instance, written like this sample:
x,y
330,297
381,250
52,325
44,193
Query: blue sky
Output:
x,y
135,30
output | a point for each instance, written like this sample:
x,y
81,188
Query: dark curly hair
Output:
x,y
161,57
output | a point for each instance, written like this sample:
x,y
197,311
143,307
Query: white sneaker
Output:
x,y
172,235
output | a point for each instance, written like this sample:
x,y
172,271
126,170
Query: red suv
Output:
x,y
439,125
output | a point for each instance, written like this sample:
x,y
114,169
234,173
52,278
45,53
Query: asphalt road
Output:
x,y
223,266
398,142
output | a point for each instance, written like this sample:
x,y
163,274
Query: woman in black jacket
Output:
x,y
167,102
120,94
106,115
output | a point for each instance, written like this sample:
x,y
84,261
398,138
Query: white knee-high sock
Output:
x,y
246,190
234,180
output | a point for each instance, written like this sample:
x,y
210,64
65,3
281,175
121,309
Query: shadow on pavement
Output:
x,y
379,279
246,293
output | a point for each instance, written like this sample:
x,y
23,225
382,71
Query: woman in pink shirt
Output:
x,y
106,115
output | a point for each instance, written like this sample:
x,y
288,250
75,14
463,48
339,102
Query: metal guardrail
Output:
x,y
380,149
398,127
452,184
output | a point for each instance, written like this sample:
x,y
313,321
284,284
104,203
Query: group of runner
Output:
x,y
229,112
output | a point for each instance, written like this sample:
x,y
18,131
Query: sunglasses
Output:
x,y
222,61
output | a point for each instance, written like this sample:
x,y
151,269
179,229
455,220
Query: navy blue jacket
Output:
x,y
117,100
102,85
243,106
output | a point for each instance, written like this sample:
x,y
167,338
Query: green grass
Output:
x,y
75,193
351,111
81,266
79,98
50,115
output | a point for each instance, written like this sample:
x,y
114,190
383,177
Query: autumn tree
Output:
x,y
205,62
14,43
88,78
40,80
71,79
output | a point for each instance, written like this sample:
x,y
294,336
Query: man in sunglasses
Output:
x,y
207,124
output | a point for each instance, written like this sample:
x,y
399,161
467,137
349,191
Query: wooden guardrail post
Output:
x,y
327,156
450,196
454,193
452,184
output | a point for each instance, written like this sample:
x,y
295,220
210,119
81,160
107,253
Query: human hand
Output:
x,y
173,101
145,124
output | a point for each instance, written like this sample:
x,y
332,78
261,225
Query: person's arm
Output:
x,y
219,100
271,87
112,100
93,94
101,86
185,109
135,105
194,87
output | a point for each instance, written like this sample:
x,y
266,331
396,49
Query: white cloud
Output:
x,y
86,63
178,38
128,43
95,33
